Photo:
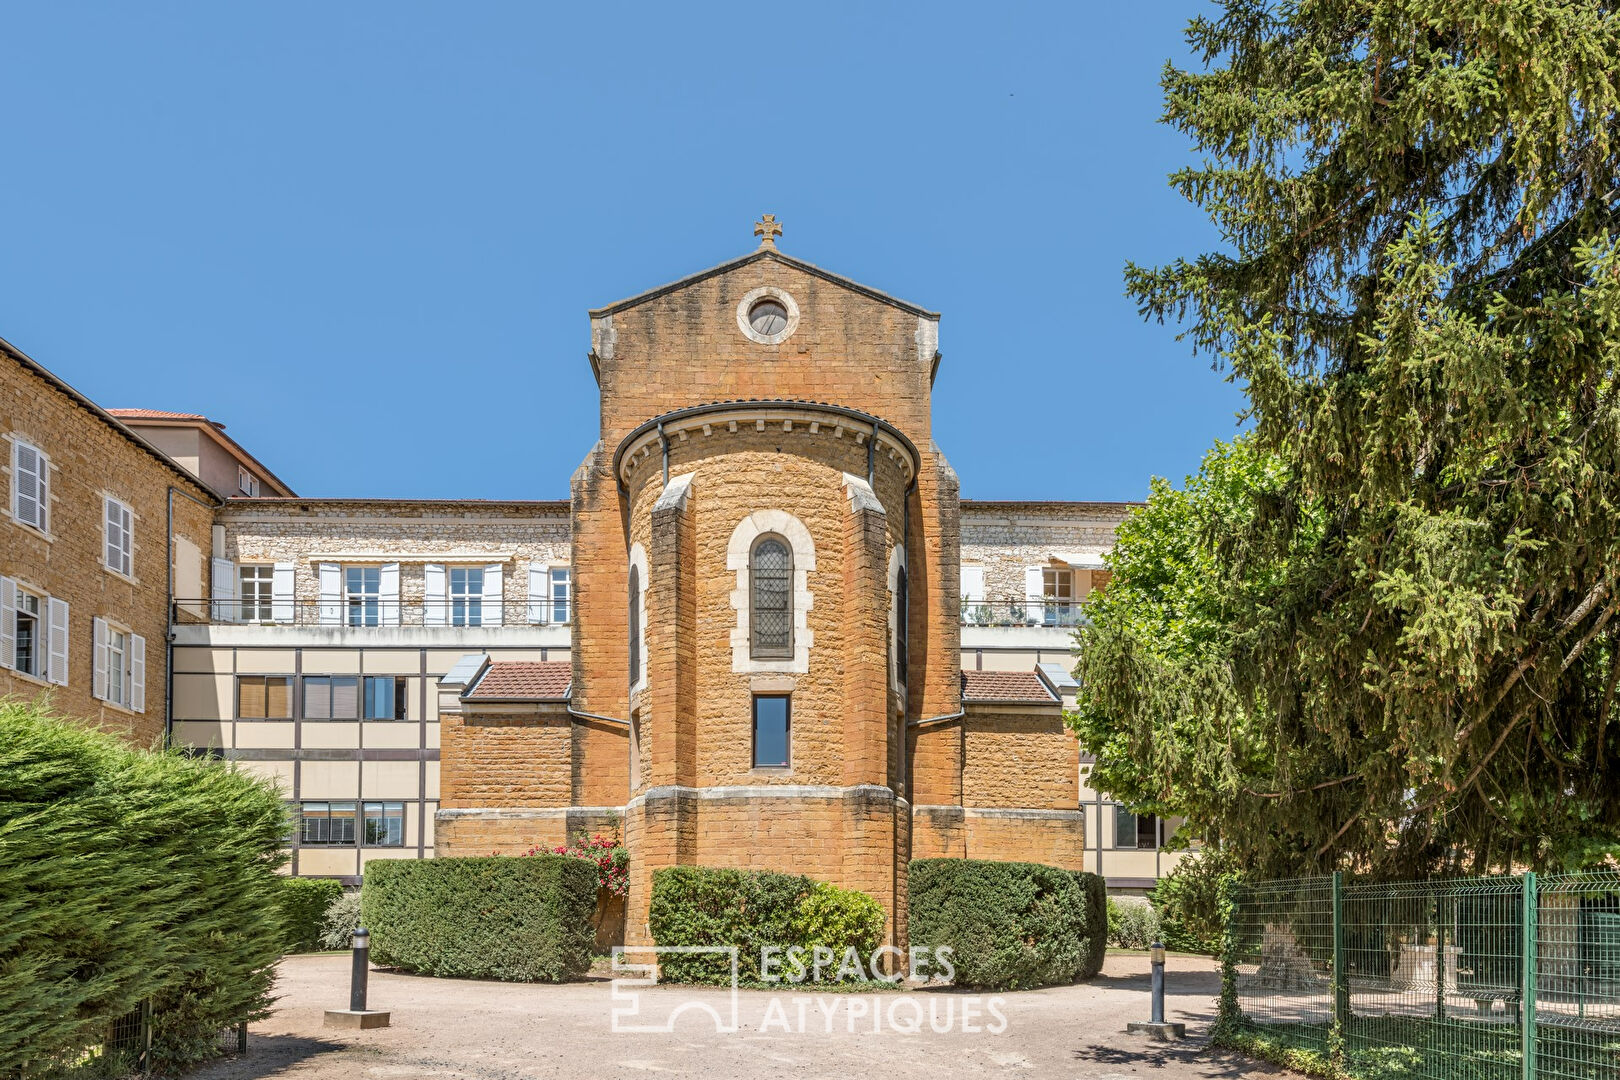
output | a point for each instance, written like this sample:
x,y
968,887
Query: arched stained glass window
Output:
x,y
771,597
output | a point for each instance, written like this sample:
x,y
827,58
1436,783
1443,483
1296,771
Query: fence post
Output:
x,y
1529,920
1440,956
1341,978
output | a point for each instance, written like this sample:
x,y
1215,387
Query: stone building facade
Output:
x,y
763,631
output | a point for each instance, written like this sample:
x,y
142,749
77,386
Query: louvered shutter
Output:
x,y
30,482
388,593
137,673
1034,592
539,584
98,681
56,635
973,584
222,590
435,597
281,593
8,623
331,583
493,596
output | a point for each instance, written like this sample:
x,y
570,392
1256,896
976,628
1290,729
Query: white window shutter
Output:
x,y
30,485
98,681
331,582
1034,595
281,593
973,584
388,594
137,673
8,622
222,591
539,592
492,612
56,636
435,597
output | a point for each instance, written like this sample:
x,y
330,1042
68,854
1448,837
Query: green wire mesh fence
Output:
x,y
1500,978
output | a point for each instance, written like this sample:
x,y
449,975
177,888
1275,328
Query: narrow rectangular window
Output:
x,y
30,485
385,697
771,720
385,824
466,596
326,823
1058,586
264,697
246,482
28,654
363,594
559,594
331,697
120,543
255,591
117,667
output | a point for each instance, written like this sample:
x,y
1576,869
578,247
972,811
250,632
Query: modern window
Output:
x,y
331,697
466,596
902,630
255,589
120,546
1057,585
771,718
30,485
385,824
326,823
770,617
385,697
362,589
246,482
1135,830
28,653
634,616
264,697
119,666
560,582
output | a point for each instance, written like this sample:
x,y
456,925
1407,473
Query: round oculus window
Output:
x,y
768,318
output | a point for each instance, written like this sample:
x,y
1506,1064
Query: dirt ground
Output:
x,y
470,1030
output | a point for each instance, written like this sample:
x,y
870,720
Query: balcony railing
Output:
x,y
371,612
1021,613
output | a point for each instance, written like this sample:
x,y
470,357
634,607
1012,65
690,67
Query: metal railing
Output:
x,y
1022,613
365,613
1497,978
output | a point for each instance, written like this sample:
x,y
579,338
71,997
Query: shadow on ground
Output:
x,y
1192,1058
268,1056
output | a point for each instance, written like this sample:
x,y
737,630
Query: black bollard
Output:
x,y
1156,1028
1156,952
362,965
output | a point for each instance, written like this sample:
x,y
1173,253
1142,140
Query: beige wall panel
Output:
x,y
279,771
391,661
204,660
394,734
430,789
202,733
204,697
265,661
373,854
326,862
1006,661
428,810
432,716
525,654
1140,864
390,779
331,661
413,823
331,733
330,780
264,734
440,661
433,734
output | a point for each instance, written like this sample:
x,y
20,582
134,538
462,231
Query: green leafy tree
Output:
x,y
1413,665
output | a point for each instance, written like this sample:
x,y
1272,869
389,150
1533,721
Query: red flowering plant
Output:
x,y
611,859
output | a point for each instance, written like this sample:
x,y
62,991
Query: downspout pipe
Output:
x,y
593,716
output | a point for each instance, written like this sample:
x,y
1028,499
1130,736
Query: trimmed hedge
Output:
x,y
1010,925
1094,891
524,918
128,875
304,903
704,905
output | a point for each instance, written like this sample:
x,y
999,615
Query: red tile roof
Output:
x,y
155,414
1006,686
528,680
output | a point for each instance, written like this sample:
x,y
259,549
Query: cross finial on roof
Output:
x,y
767,229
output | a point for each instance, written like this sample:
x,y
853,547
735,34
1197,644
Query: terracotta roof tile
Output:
x,y
534,680
1005,686
154,414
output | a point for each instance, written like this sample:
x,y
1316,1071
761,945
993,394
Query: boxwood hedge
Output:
x,y
524,918
1010,925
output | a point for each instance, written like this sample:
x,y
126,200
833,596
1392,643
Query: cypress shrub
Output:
x,y
1094,910
128,875
304,903
1010,925
751,909
522,918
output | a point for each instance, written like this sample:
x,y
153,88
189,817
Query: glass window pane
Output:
x,y
770,731
317,698
345,697
278,697
1124,828
250,691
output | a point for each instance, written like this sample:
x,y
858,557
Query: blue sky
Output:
x,y
365,235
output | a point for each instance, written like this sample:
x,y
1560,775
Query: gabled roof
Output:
x,y
522,680
1006,688
213,429
758,255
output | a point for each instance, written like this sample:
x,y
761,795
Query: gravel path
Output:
x,y
470,1030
